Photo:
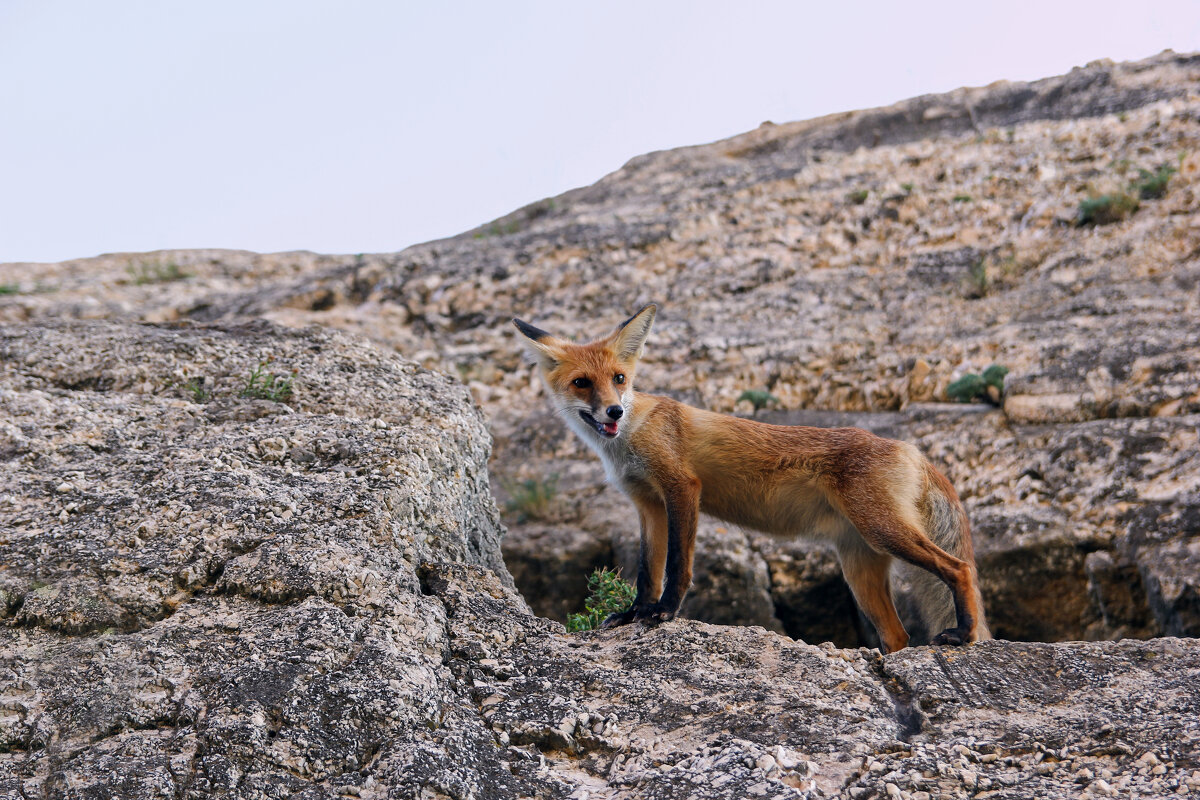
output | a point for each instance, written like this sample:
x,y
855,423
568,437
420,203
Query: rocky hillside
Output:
x,y
855,264
245,588
259,559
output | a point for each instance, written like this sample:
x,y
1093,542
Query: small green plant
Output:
x,y
9,288
977,280
196,389
1153,185
609,594
759,398
858,197
531,498
962,198
972,388
907,187
144,272
263,385
1106,208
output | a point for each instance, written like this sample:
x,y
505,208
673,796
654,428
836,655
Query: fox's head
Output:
x,y
592,382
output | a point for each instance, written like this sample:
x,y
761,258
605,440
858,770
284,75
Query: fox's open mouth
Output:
x,y
606,429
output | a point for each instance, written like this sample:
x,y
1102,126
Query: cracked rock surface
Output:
x,y
210,587
853,266
245,598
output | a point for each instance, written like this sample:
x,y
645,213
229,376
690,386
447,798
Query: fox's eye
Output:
x,y
582,383
618,378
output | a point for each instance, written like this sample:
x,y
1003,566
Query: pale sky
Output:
x,y
354,126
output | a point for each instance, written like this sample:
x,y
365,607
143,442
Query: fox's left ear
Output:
x,y
630,337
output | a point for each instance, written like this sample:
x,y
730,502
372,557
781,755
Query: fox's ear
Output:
x,y
541,345
630,337
536,334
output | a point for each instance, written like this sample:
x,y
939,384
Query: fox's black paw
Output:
x,y
654,614
619,618
955,637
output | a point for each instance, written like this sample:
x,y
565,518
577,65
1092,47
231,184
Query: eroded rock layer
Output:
x,y
245,560
227,596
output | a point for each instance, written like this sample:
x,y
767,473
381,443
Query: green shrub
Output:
x,y
9,288
196,390
858,197
977,280
143,272
1153,185
994,376
1106,208
759,398
263,385
531,498
972,388
967,389
609,594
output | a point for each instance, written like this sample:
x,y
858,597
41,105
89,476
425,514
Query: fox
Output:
x,y
875,499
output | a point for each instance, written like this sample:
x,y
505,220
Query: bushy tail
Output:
x,y
946,524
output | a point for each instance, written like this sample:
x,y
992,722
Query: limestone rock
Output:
x,y
211,595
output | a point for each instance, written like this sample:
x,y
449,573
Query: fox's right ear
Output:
x,y
540,343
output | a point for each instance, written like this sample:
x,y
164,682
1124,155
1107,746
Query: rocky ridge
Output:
x,y
214,595
241,597
856,263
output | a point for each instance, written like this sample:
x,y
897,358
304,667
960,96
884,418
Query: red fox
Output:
x,y
876,499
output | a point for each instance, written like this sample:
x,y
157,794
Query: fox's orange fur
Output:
x,y
876,499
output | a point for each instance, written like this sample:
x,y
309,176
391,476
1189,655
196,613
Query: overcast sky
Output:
x,y
348,127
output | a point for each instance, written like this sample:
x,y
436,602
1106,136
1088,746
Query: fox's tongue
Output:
x,y
610,428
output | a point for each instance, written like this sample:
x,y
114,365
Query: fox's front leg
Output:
x,y
682,501
651,560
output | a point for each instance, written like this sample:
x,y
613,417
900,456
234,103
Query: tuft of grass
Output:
x,y
609,593
1153,185
9,288
962,198
977,280
143,272
759,398
531,498
858,197
1106,208
196,390
972,388
263,385
907,187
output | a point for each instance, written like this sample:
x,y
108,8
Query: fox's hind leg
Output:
x,y
890,534
866,572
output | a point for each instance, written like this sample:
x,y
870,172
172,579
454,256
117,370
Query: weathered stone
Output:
x,y
205,594
1040,409
1171,574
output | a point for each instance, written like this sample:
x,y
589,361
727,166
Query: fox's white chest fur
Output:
x,y
622,466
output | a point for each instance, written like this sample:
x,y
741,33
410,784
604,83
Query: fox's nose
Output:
x,y
614,412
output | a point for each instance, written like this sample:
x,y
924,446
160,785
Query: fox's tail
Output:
x,y
946,524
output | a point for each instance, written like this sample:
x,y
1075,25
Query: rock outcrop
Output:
x,y
856,264
221,596
245,559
